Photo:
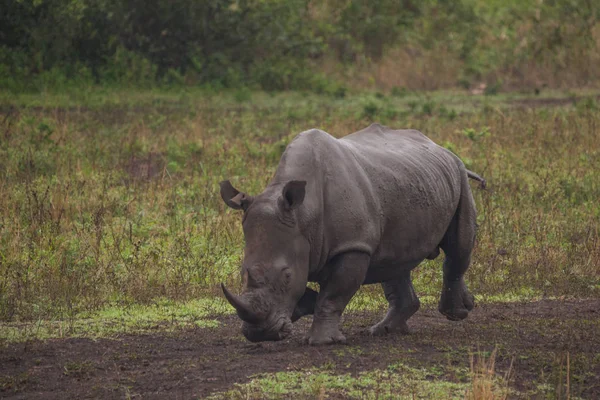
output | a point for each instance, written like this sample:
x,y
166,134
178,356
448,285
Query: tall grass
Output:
x,y
485,384
107,204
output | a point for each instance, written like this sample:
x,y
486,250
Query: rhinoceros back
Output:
x,y
417,185
389,193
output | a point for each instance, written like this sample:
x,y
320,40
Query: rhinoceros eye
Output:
x,y
287,275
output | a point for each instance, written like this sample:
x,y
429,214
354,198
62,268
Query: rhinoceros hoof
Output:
x,y
456,302
382,329
456,314
323,340
469,300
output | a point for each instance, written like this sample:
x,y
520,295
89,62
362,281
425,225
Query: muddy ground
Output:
x,y
535,337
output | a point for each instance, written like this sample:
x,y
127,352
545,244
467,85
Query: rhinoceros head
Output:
x,y
275,266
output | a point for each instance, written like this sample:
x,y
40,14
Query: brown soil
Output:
x,y
194,363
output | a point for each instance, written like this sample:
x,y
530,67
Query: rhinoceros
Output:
x,y
366,208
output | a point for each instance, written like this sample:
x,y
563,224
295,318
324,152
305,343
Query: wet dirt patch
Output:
x,y
534,337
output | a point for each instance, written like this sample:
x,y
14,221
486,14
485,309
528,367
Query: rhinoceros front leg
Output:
x,y
306,304
346,273
403,303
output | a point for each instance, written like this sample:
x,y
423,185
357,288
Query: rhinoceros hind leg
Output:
x,y
403,303
456,301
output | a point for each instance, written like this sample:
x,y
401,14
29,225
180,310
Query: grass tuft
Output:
x,y
485,383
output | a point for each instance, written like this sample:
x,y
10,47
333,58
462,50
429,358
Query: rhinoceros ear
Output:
x,y
293,195
233,197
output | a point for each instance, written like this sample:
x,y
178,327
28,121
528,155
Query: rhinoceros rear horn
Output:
x,y
233,197
243,308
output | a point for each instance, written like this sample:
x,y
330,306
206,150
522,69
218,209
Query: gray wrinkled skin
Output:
x,y
367,208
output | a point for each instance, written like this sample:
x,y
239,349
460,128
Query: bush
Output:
x,y
143,41
279,44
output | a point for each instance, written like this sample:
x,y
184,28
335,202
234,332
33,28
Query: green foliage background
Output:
x,y
285,44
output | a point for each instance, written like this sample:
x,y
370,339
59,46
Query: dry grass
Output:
x,y
408,67
109,204
532,58
485,383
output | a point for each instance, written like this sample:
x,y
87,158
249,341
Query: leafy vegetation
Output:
x,y
322,46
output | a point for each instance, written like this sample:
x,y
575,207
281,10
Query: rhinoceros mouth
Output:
x,y
280,330
285,329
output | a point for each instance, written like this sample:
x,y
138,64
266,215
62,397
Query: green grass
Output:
x,y
161,315
397,381
183,100
165,316
111,197
188,99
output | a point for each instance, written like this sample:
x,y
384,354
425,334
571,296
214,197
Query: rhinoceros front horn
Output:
x,y
242,306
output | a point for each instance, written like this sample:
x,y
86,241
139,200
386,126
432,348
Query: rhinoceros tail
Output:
x,y
476,177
